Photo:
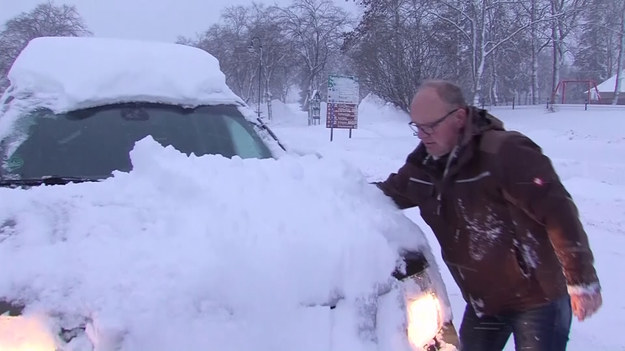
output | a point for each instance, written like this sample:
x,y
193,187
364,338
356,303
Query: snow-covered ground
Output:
x,y
586,147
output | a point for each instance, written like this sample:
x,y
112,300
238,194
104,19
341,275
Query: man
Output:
x,y
508,230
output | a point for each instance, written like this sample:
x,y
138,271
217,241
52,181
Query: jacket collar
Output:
x,y
478,122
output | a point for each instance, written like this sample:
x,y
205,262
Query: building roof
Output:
x,y
607,86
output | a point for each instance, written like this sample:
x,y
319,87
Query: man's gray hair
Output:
x,y
449,92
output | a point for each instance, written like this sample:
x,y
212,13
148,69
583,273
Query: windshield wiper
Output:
x,y
264,126
47,180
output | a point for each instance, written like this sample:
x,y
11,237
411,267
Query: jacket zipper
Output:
x,y
452,156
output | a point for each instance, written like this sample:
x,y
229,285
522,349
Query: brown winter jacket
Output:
x,y
508,229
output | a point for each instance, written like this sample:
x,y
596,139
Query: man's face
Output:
x,y
439,125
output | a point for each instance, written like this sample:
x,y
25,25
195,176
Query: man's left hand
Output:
x,y
585,305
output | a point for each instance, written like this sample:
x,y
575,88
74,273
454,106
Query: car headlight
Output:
x,y
424,319
423,308
25,333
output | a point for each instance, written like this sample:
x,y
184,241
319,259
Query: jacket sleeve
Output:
x,y
396,187
529,178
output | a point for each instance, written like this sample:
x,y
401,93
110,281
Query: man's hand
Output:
x,y
585,305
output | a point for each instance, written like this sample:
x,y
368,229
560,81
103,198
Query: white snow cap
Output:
x,y
67,73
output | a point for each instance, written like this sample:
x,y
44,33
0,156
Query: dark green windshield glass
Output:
x,y
95,142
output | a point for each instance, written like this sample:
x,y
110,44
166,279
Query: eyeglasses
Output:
x,y
429,128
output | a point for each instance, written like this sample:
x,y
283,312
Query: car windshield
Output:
x,y
94,142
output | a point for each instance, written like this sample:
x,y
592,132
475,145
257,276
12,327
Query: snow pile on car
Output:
x,y
207,252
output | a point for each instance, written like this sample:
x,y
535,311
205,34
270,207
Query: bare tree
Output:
x,y
394,48
45,19
228,42
279,61
495,49
480,24
236,43
565,15
315,29
535,11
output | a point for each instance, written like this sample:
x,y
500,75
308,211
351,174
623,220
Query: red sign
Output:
x,y
341,115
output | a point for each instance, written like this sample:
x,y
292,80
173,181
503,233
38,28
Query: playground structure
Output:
x,y
591,84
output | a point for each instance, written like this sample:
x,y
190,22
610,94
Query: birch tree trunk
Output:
x,y
556,50
534,43
621,58
480,53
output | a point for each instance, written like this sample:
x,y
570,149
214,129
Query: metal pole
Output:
x,y
260,67
260,73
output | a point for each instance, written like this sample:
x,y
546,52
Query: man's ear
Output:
x,y
461,118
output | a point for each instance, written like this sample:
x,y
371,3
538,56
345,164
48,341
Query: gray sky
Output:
x,y
162,20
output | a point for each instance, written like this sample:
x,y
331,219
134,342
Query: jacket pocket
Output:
x,y
522,264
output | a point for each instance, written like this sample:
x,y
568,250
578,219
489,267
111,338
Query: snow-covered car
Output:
x,y
144,207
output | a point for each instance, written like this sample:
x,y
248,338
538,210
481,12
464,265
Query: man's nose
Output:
x,y
421,134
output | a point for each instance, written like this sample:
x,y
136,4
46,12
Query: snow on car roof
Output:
x,y
67,73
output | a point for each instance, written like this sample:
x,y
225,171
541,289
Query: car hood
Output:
x,y
182,242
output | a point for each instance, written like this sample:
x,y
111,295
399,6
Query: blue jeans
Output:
x,y
544,328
